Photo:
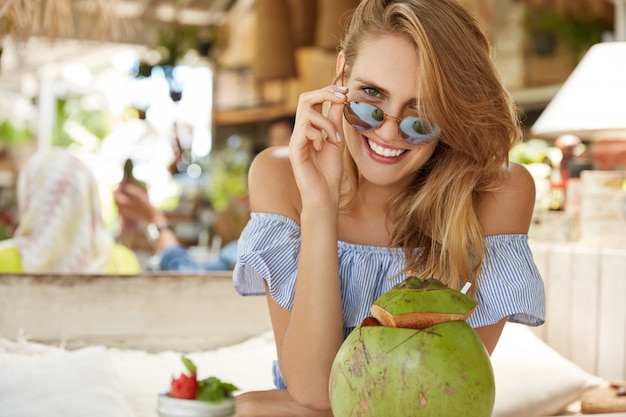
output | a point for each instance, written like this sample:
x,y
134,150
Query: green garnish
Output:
x,y
191,367
210,389
213,390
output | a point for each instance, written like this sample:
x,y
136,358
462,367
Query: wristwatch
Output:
x,y
153,231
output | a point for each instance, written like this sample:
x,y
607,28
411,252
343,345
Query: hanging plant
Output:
x,y
581,32
542,25
12,134
549,28
229,177
16,120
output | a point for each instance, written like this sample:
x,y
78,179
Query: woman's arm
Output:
x,y
306,188
510,209
507,211
302,335
305,342
274,403
491,334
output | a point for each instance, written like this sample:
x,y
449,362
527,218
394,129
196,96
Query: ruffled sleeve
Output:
x,y
268,250
509,284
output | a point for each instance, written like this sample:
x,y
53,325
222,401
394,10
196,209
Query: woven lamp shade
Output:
x,y
304,21
332,20
275,54
240,32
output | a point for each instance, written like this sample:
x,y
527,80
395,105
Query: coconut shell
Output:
x,y
418,304
386,372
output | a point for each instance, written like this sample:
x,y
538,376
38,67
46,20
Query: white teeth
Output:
x,y
379,150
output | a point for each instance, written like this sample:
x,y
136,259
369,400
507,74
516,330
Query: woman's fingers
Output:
x,y
315,135
320,115
335,116
314,149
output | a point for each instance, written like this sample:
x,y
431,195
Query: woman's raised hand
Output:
x,y
316,146
133,202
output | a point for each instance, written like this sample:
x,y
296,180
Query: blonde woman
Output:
x,y
401,165
60,226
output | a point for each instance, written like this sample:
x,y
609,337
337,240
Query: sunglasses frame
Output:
x,y
408,138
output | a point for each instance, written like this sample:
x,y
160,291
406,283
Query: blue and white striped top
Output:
x,y
509,283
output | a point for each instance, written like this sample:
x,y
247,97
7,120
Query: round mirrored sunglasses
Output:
x,y
365,117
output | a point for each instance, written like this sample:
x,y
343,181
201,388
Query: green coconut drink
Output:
x,y
416,357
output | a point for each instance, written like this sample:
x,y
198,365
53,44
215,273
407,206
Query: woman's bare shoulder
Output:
x,y
272,185
510,208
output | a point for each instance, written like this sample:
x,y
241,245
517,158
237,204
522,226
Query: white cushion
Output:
x,y
532,379
143,375
62,384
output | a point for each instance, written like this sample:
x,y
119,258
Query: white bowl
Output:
x,y
176,407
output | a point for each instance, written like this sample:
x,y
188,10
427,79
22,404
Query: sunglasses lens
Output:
x,y
363,116
415,130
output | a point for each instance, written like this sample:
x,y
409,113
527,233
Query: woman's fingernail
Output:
x,y
339,139
342,87
340,95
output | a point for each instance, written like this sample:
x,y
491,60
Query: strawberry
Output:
x,y
185,387
210,389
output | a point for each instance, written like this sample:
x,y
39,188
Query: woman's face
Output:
x,y
385,75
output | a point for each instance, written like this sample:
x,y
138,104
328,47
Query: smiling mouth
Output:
x,y
386,152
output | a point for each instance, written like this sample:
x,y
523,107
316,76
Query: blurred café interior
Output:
x,y
186,90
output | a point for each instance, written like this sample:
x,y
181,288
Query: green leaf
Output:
x,y
191,367
213,390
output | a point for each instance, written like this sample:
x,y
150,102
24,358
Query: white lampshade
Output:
x,y
592,99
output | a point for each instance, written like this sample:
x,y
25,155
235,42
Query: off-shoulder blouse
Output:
x,y
509,283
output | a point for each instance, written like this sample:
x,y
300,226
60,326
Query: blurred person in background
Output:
x,y
60,226
279,131
134,205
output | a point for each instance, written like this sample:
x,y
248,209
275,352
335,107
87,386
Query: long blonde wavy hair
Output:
x,y
435,219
